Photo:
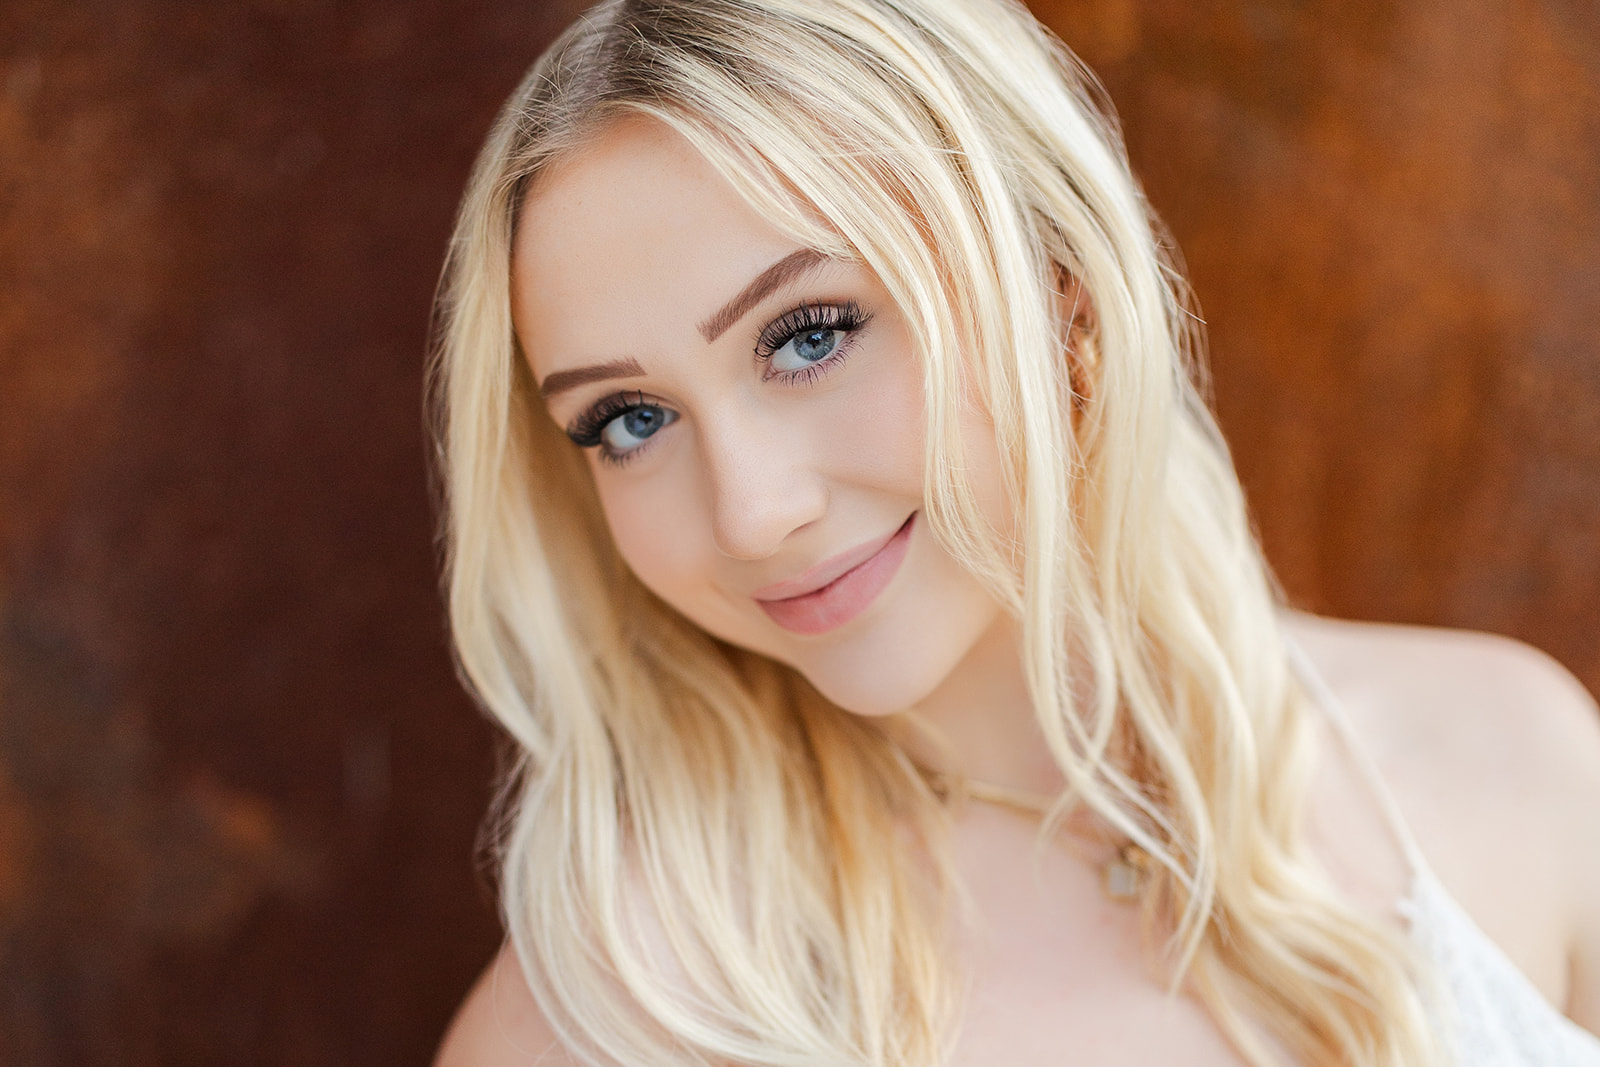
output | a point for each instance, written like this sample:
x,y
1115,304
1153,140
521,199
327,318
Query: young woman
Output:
x,y
836,527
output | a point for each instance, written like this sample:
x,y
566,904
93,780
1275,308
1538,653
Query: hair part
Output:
x,y
702,861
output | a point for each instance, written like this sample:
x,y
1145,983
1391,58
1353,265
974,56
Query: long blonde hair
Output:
x,y
701,860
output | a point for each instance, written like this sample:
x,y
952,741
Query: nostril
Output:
x,y
755,523
761,479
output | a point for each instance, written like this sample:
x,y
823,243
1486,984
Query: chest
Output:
x,y
1055,970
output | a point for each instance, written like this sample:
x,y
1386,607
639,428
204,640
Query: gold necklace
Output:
x,y
1122,876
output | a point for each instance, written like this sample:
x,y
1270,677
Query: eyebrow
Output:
x,y
562,380
779,274
774,277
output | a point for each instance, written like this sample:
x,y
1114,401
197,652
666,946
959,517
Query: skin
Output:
x,y
1492,752
758,477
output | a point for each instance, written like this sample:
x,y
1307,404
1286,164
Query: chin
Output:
x,y
898,663
876,694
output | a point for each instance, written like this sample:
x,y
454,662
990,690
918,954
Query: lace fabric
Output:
x,y
1495,1016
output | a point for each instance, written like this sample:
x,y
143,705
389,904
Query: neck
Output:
x,y
980,724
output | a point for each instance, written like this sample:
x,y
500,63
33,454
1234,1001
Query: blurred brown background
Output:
x,y
238,784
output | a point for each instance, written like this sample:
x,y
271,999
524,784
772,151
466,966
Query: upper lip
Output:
x,y
828,571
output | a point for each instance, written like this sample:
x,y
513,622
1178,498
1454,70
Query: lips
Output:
x,y
837,589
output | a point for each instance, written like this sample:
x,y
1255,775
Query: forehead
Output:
x,y
629,244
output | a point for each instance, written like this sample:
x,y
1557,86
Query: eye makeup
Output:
x,y
846,318
588,429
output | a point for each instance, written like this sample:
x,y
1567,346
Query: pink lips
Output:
x,y
838,589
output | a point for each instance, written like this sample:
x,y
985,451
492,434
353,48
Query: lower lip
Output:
x,y
846,596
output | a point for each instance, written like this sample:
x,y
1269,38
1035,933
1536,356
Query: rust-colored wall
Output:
x,y
1390,210
238,784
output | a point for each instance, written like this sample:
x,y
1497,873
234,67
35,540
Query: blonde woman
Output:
x,y
835,525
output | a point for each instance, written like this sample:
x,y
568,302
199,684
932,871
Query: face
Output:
x,y
752,415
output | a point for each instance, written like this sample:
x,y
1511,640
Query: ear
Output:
x,y
1077,306
1076,313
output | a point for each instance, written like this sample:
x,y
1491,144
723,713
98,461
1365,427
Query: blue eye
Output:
x,y
805,348
633,427
805,342
620,425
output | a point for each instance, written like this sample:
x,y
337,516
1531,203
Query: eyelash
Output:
x,y
586,428
846,317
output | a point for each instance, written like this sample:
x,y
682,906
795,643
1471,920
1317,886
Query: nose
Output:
x,y
764,482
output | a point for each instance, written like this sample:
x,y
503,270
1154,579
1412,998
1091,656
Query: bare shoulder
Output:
x,y
500,1025
1492,750
1460,703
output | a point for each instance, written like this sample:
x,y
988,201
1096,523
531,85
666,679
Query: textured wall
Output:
x,y
1391,213
238,785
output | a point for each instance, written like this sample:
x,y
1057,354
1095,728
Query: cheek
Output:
x,y
652,520
660,523
986,467
870,437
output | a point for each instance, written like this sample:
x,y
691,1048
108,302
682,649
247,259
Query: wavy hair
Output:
x,y
701,860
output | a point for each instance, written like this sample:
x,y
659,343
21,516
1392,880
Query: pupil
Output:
x,y
814,345
642,422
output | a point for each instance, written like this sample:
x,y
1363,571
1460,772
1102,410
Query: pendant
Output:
x,y
1125,874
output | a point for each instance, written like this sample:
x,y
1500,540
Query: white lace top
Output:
x,y
1495,1017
